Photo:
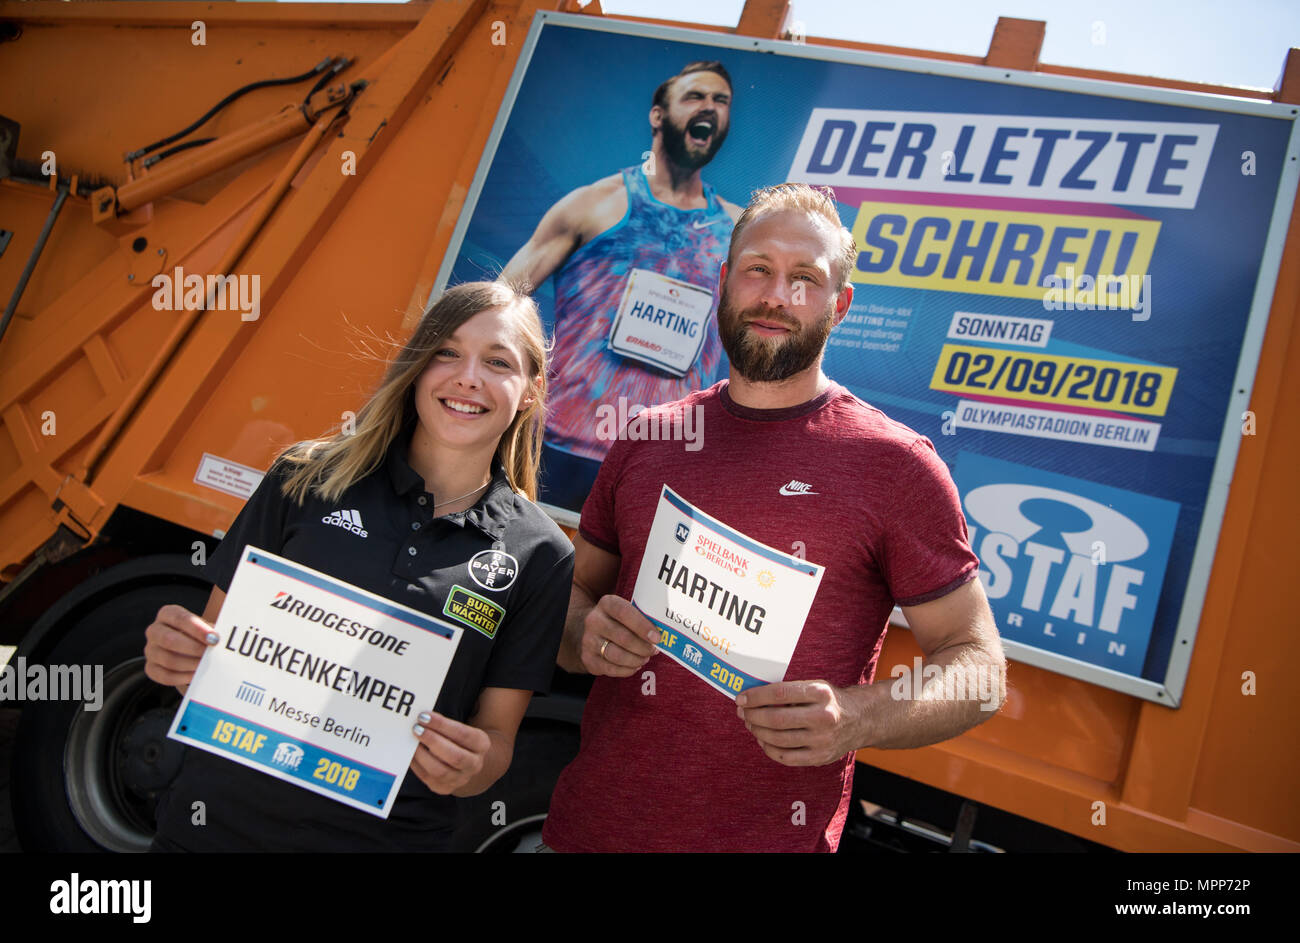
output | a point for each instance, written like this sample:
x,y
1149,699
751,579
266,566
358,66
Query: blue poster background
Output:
x,y
1092,605
581,114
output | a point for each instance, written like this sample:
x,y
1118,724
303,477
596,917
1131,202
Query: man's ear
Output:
x,y
842,303
722,275
656,117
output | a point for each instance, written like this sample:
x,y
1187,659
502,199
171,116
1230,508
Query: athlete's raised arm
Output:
x,y
573,220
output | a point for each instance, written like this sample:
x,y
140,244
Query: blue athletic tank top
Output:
x,y
690,245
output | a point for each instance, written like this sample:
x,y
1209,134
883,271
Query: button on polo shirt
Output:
x,y
381,535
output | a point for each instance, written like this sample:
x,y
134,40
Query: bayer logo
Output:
x,y
493,569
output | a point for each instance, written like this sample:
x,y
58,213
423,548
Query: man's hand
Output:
x,y
801,723
616,638
450,753
810,723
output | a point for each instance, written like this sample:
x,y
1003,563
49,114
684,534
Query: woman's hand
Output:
x,y
450,753
174,643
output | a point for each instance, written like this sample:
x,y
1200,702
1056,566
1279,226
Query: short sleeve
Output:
x,y
261,523
927,551
524,655
597,525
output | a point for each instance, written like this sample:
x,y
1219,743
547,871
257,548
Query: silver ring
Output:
x,y
603,646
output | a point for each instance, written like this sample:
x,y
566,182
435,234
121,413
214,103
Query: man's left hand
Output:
x,y
799,723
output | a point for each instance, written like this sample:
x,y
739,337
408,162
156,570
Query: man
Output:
x,y
791,459
640,248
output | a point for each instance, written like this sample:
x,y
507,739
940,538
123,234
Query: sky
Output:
x,y
1223,42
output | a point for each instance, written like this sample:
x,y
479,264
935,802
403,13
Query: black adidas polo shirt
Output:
x,y
381,535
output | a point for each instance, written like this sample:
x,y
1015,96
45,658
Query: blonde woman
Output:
x,y
434,490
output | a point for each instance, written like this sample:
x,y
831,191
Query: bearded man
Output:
x,y
791,459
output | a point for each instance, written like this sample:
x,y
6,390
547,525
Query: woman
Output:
x,y
432,491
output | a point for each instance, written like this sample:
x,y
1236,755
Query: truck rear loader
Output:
x,y
305,229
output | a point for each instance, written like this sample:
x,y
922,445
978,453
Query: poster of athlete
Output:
x,y
1063,283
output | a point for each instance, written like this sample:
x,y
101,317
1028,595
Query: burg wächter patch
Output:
x,y
473,610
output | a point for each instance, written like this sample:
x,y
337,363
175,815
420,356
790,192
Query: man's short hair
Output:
x,y
661,93
815,201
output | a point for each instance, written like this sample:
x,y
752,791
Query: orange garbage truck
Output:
x,y
1081,286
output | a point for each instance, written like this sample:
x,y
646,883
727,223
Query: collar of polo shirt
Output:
x,y
490,512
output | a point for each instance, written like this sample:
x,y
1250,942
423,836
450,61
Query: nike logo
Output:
x,y
798,487
696,224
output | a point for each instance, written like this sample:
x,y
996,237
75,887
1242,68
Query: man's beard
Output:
x,y
769,360
679,153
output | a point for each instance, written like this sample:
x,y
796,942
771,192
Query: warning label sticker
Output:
x,y
230,477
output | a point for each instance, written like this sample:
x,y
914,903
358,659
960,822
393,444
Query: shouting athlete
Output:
x,y
635,257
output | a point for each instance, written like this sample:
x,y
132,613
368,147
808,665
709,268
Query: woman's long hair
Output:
x,y
329,466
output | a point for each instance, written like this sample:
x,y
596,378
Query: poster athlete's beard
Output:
x,y
768,360
675,142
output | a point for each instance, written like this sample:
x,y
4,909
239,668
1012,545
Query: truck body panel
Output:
x,y
347,260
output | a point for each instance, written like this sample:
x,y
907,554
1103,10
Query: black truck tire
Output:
x,y
508,817
86,780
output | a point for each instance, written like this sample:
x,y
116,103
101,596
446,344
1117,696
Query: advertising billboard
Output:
x,y
1063,283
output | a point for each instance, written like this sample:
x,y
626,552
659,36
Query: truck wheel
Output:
x,y
88,780
509,816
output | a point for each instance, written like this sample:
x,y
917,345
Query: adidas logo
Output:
x,y
348,520
798,487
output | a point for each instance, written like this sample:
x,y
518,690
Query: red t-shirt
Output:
x,y
870,501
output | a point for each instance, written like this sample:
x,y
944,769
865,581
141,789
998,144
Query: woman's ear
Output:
x,y
531,396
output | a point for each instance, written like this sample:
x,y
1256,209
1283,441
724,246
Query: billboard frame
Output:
x,y
1169,690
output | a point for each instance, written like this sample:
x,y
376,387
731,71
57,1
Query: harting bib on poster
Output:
x,y
661,321
728,608
316,682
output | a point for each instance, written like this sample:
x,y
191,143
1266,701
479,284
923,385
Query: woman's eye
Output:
x,y
445,352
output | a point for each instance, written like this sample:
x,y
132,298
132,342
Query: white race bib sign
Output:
x,y
728,608
316,682
661,321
